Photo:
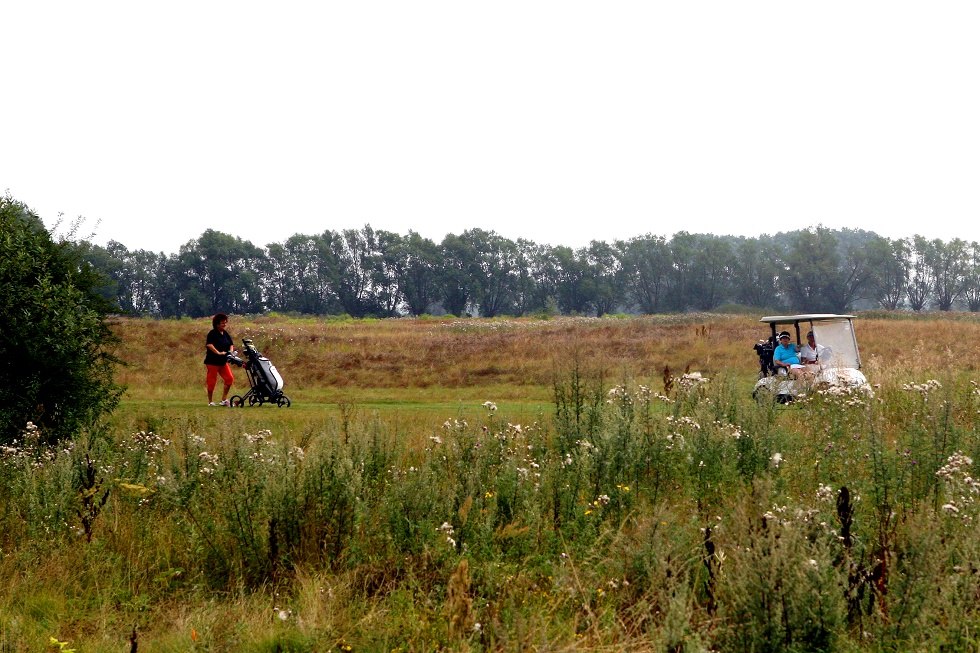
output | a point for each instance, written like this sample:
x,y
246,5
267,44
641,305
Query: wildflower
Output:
x,y
618,394
776,459
435,439
208,458
490,406
923,388
691,380
825,492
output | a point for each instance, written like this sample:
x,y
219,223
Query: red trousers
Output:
x,y
224,371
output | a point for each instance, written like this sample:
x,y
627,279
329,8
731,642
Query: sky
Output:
x,y
561,122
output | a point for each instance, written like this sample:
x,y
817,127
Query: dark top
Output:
x,y
222,341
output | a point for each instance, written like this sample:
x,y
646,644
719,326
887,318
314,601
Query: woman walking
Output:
x,y
217,348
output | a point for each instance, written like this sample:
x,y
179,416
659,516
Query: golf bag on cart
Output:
x,y
263,377
765,349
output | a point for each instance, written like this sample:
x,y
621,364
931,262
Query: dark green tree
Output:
x,y
55,344
494,268
419,280
890,263
108,263
919,288
170,286
826,271
646,268
971,282
355,252
529,292
458,274
755,275
948,266
701,271
386,272
605,276
299,275
132,275
219,273
569,275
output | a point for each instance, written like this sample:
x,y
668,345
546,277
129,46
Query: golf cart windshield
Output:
x,y
838,338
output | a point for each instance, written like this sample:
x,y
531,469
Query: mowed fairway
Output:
x,y
506,485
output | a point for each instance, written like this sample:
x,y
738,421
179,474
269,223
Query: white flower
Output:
x,y
489,405
825,492
776,459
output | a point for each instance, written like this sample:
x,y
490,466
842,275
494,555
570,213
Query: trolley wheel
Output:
x,y
254,400
283,401
237,401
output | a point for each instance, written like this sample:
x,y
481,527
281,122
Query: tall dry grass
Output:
x,y
318,356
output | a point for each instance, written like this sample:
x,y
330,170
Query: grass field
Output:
x,y
508,484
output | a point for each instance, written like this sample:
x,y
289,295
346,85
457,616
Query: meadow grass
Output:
x,y
469,485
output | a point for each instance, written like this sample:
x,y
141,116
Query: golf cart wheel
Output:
x,y
254,400
282,401
237,401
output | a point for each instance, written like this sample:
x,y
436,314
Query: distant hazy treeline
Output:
x,y
368,272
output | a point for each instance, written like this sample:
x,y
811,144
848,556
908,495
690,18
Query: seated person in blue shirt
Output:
x,y
785,356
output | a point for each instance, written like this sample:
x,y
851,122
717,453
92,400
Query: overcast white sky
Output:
x,y
560,122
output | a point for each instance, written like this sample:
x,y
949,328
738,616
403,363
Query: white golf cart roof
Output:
x,y
830,330
807,317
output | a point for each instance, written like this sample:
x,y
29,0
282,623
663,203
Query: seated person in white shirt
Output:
x,y
812,354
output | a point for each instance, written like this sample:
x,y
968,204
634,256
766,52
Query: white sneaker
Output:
x,y
212,404
225,403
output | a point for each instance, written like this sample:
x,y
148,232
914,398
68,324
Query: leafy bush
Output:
x,y
54,340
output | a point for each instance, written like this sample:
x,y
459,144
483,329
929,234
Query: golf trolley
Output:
x,y
263,377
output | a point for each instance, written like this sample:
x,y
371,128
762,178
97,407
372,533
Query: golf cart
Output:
x,y
837,365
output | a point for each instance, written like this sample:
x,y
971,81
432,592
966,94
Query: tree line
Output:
x,y
368,272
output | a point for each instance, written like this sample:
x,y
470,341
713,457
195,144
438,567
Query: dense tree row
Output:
x,y
368,272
